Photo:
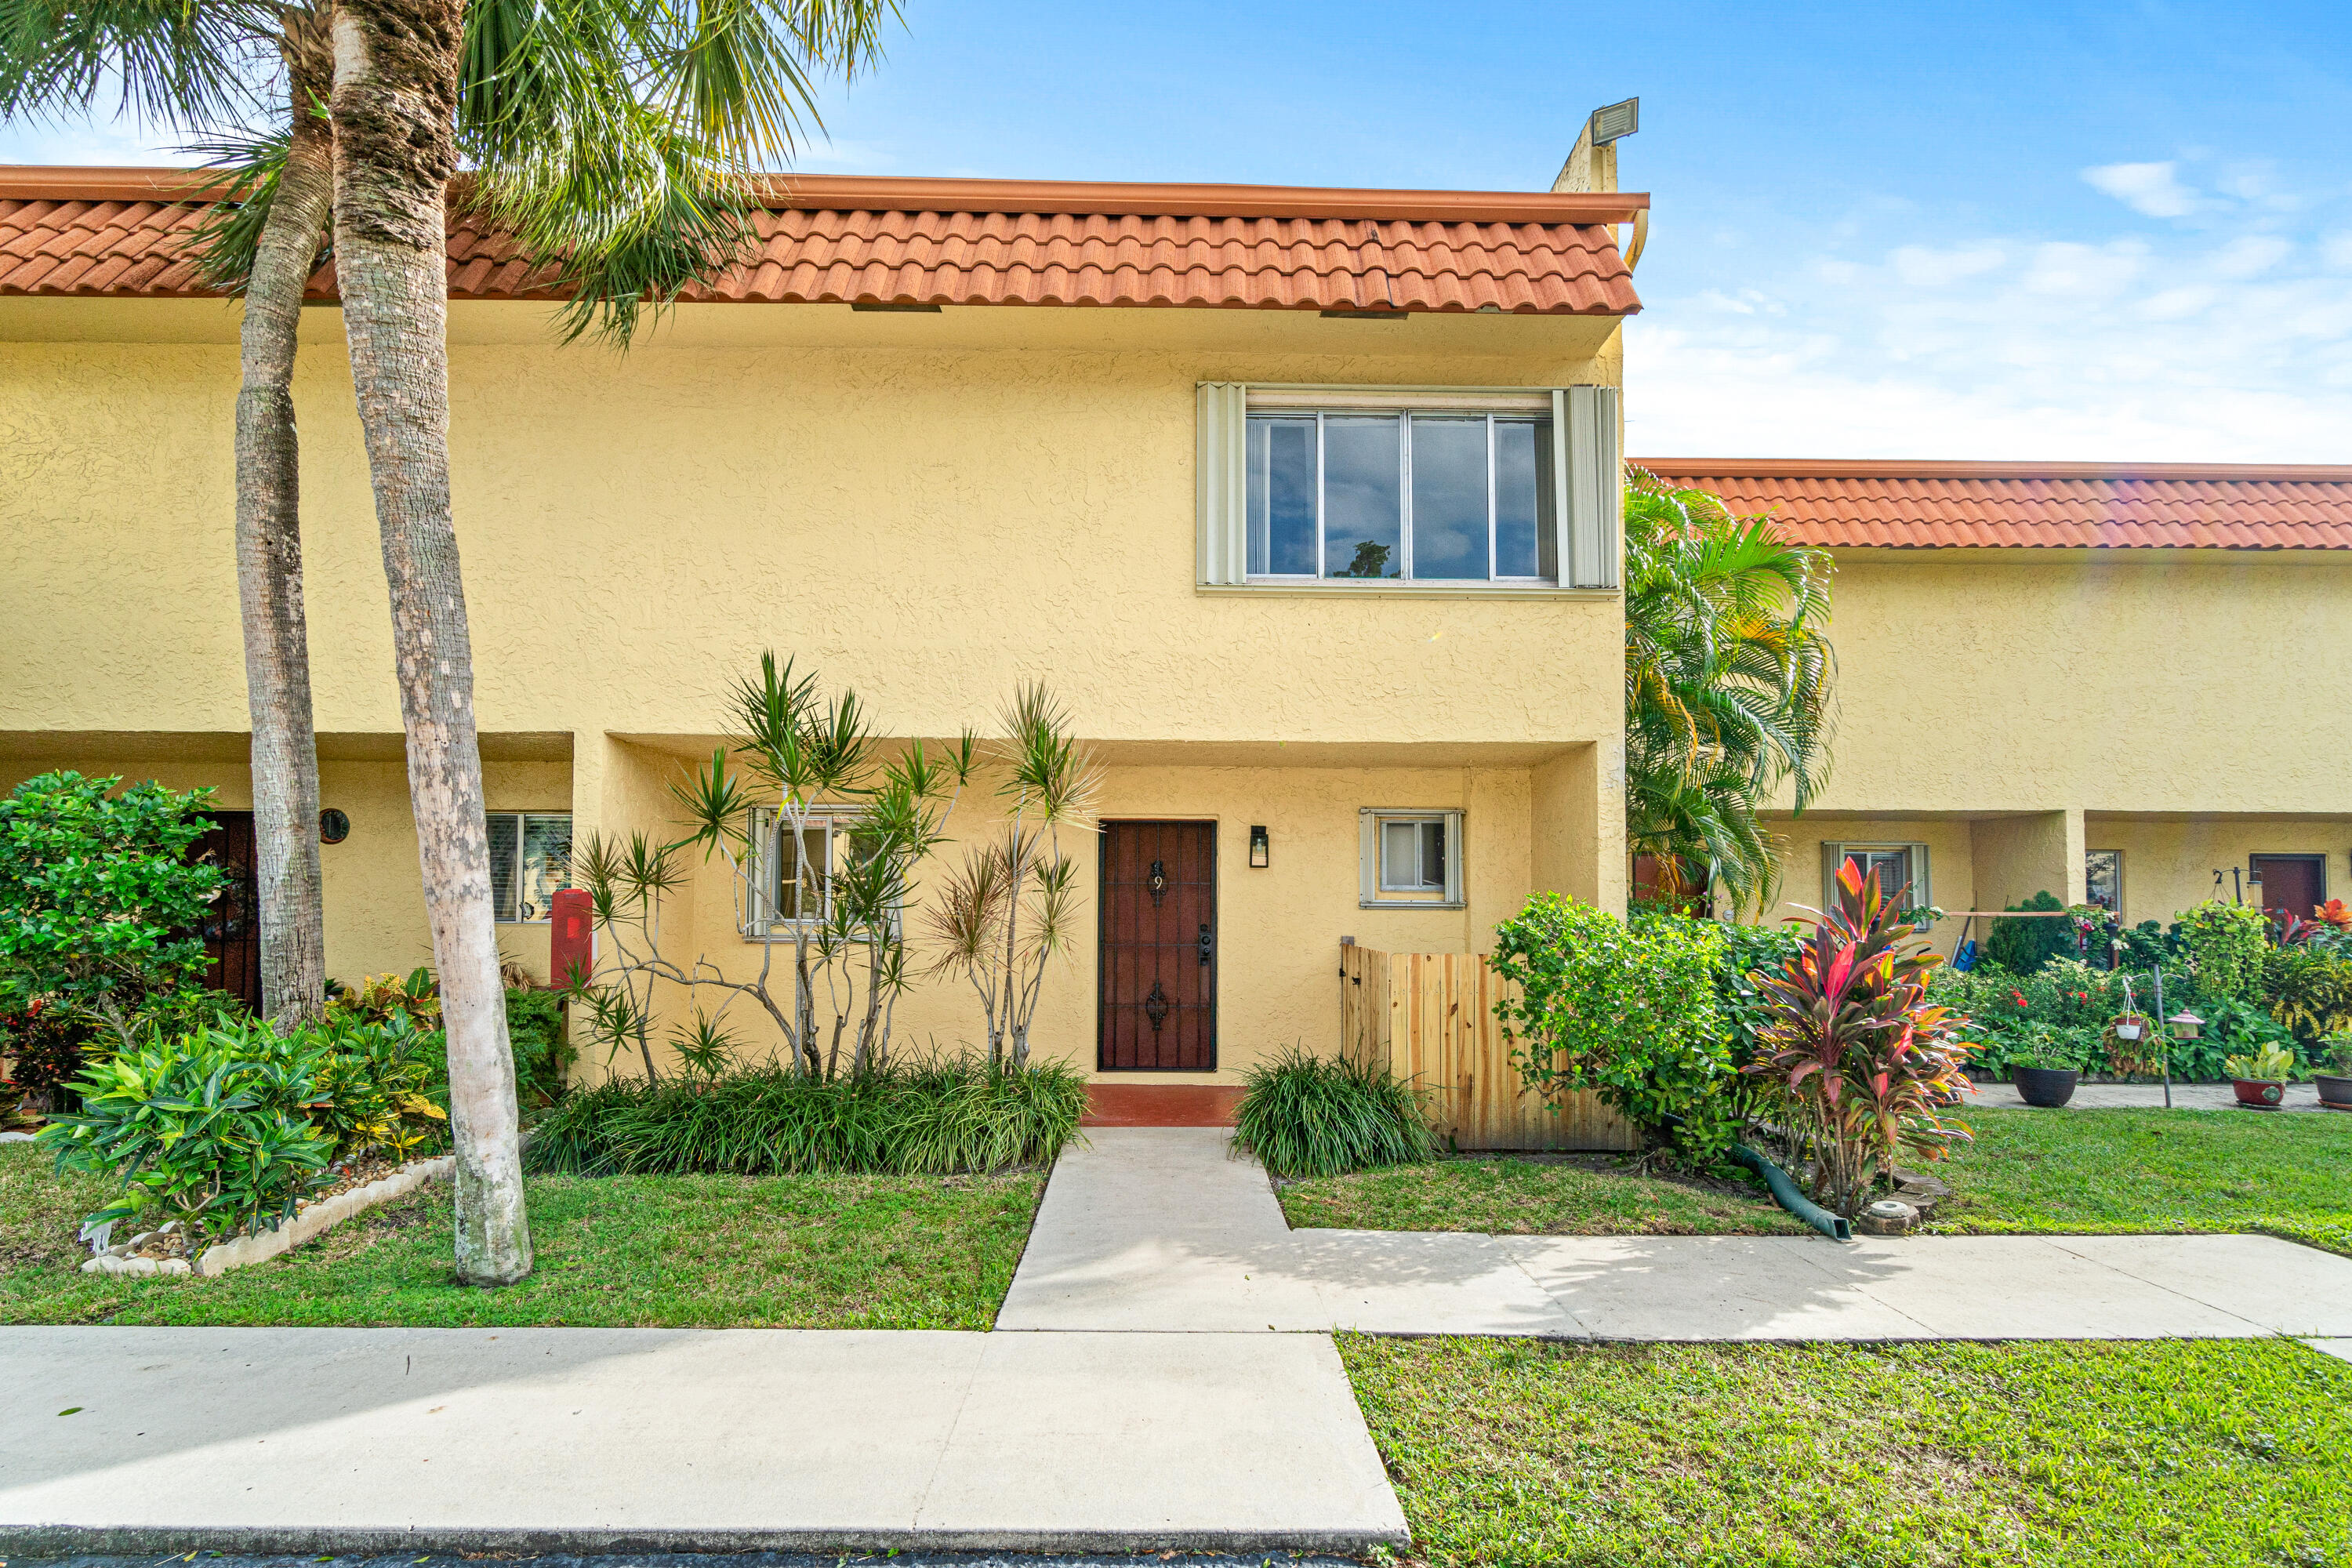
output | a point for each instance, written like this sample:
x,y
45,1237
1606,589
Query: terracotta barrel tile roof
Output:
x,y
943,242
1923,505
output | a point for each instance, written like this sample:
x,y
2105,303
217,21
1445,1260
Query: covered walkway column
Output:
x,y
2014,857
1576,825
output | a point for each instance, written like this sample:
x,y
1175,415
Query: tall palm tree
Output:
x,y
616,138
188,65
652,113
1728,678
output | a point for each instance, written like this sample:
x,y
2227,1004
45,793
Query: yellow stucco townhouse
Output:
x,y
1303,501
2116,685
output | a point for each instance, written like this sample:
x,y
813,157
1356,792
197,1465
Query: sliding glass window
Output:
x,y
1428,497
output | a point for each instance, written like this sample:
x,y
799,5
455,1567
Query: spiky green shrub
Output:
x,y
1305,1115
923,1118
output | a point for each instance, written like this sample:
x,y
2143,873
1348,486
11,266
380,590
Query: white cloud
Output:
x,y
2084,271
2338,249
2150,188
2248,255
1924,268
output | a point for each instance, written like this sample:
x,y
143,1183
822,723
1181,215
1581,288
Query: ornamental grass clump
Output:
x,y
1305,1115
1859,1059
918,1119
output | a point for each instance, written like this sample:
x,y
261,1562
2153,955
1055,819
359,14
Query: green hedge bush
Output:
x,y
914,1120
1305,1115
1629,1009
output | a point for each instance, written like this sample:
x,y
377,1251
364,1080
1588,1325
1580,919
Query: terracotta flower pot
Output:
x,y
2046,1087
2258,1094
2334,1092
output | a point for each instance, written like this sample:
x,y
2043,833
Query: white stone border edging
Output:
x,y
240,1251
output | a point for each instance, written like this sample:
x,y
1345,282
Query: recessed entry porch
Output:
x,y
1214,894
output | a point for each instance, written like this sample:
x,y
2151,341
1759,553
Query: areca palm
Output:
x,y
1728,674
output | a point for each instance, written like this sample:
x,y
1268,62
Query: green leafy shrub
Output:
x,y
43,1042
2021,947
2309,989
209,1130
2224,945
1305,1115
1860,1057
1627,1009
100,906
535,1031
2335,1053
915,1119
225,1127
1750,951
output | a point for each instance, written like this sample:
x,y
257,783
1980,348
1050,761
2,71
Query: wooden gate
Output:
x,y
1429,1017
1156,990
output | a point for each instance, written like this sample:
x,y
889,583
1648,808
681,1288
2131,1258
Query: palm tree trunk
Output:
x,y
285,754
395,87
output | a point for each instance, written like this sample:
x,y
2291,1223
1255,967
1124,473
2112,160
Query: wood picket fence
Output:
x,y
1429,1018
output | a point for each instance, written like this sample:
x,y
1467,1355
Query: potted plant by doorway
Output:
x,y
2261,1079
2336,1083
2043,1071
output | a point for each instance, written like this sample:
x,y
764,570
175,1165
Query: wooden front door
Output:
x,y
2292,884
1158,990
232,931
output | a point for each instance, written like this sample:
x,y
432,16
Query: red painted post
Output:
x,y
570,937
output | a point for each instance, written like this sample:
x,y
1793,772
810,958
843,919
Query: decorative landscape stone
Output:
x,y
129,1257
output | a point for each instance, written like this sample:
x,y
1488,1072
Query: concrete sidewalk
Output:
x,y
650,1439
1160,1231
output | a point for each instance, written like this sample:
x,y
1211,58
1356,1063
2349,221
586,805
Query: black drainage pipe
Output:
x,y
1785,1194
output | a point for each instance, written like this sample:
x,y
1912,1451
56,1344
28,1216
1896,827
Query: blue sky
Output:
x,y
2117,232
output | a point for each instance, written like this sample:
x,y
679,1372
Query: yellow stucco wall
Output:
x,y
2118,682
934,508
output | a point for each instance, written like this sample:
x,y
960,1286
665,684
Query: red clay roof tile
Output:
x,y
1941,505
949,242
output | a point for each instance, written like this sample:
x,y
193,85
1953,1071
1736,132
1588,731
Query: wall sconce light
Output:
x,y
2185,1025
1261,848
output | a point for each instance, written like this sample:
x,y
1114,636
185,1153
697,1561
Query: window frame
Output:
x,y
757,921
1586,499
1372,891
523,820
1834,854
1406,418
2119,910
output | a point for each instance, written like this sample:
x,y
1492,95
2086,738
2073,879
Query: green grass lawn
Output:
x,y
2100,1455
2028,1170
1593,1195
798,1252
2046,1172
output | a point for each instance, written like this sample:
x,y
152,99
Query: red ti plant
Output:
x,y
1861,1062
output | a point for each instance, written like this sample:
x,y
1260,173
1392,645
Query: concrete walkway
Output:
x,y
343,1440
1160,1231
2150,1097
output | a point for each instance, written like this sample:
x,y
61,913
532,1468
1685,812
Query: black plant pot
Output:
x,y
2335,1092
2046,1087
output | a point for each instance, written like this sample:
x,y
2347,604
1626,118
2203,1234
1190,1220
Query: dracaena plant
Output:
x,y
1860,1059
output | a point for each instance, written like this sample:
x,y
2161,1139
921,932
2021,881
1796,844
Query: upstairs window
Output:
x,y
530,857
1404,496
1444,490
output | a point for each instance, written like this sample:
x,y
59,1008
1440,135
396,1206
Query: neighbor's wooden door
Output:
x,y
1158,964
231,930
2292,884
